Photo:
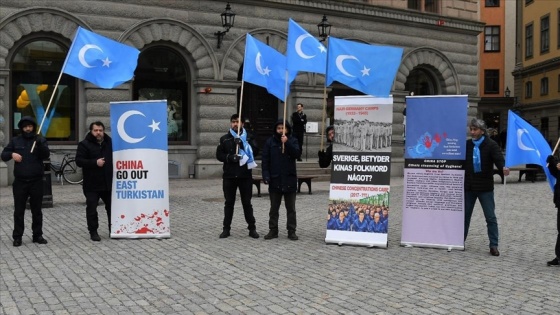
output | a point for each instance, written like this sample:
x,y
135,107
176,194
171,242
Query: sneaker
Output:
x,y
494,251
553,262
253,234
39,240
95,237
224,234
17,242
271,234
292,235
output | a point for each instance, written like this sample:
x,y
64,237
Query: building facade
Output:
x,y
180,61
497,61
537,71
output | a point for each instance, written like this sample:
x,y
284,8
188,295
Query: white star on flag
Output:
x,y
154,126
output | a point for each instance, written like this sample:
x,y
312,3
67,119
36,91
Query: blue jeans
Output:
x,y
486,199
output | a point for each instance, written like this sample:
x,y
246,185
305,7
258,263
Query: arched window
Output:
x,y
35,68
162,74
422,82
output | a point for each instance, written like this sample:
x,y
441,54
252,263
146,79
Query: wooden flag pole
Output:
x,y
555,147
47,110
240,111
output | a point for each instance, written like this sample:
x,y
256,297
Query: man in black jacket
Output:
x,y
279,172
28,182
237,153
299,120
95,157
481,155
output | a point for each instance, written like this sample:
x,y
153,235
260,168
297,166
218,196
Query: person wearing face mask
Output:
x,y
28,182
482,154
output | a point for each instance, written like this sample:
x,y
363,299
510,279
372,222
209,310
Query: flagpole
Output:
x,y
54,89
324,102
285,106
240,111
555,147
47,110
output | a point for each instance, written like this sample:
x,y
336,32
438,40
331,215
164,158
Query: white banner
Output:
x,y
140,194
359,210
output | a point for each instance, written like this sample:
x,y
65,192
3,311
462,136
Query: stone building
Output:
x,y
180,61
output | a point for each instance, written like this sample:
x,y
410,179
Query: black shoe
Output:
x,y
253,234
553,262
225,234
494,251
95,237
40,240
271,234
292,235
17,242
299,160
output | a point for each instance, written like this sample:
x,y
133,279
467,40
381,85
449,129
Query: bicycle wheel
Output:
x,y
72,173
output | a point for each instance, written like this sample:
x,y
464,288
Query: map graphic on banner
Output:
x,y
433,199
359,209
140,195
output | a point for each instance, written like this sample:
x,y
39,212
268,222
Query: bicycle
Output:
x,y
68,170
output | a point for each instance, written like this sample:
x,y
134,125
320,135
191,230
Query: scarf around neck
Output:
x,y
476,155
247,152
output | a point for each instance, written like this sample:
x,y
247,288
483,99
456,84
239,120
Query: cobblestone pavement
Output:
x,y
195,272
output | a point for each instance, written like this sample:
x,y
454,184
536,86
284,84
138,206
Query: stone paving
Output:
x,y
194,272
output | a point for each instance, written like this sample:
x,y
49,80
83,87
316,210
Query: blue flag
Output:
x,y
100,60
526,145
367,68
305,52
266,67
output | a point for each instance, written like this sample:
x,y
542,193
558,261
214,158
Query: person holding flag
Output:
x,y
554,169
236,150
481,155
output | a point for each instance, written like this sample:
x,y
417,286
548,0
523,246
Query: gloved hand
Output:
x,y
39,140
266,180
239,142
550,159
234,158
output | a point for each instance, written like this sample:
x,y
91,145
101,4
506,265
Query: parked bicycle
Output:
x,y
67,170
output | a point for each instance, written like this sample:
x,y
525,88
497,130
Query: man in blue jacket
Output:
x,y
279,157
95,156
28,182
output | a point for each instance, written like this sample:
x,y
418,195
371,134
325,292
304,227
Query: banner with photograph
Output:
x,y
433,194
358,212
140,195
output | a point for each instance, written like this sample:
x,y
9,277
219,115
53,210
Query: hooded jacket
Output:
x,y
89,150
279,164
31,166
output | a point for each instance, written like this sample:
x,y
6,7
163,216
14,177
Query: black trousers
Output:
x,y
245,186
299,137
289,202
22,191
92,200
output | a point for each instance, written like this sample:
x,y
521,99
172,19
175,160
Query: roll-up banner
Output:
x,y
140,194
358,212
